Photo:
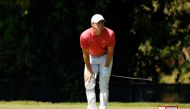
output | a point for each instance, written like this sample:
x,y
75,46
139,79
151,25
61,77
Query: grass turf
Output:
x,y
112,105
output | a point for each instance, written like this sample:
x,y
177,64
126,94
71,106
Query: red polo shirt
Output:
x,y
97,45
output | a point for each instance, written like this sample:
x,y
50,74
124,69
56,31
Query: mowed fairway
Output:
x,y
112,105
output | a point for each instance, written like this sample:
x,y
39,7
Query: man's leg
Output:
x,y
90,88
104,86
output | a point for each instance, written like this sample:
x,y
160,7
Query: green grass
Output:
x,y
112,105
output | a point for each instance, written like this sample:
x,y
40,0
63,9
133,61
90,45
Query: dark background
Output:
x,y
41,58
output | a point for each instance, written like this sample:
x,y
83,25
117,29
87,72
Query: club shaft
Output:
x,y
131,78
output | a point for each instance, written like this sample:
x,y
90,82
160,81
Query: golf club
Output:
x,y
144,79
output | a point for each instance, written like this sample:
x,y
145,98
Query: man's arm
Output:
x,y
86,58
109,56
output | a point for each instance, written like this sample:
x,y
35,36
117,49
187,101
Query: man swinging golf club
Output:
x,y
97,43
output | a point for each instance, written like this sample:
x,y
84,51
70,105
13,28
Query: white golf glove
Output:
x,y
105,72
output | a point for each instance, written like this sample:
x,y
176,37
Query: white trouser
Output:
x,y
97,65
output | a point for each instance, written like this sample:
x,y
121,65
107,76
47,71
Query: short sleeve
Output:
x,y
112,40
84,42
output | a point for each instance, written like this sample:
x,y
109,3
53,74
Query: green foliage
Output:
x,y
164,25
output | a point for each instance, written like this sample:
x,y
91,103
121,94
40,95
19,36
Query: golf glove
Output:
x,y
105,72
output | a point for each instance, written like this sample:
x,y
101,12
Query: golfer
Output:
x,y
97,43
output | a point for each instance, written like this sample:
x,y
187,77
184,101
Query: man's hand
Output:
x,y
88,75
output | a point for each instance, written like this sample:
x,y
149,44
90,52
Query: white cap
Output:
x,y
96,18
